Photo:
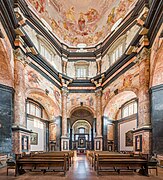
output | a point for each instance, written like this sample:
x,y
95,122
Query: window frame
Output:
x,y
82,65
119,45
30,102
127,105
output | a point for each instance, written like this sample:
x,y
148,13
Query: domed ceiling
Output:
x,y
81,21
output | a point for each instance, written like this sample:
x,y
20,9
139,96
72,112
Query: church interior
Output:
x,y
81,89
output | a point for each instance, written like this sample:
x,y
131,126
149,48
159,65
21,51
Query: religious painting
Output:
x,y
65,145
129,138
34,138
82,142
25,142
138,143
97,145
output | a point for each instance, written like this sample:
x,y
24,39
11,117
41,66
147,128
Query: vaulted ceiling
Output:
x,y
81,21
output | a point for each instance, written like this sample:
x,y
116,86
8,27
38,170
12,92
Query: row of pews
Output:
x,y
113,161
57,161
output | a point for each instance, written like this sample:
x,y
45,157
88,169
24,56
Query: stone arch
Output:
x,y
133,89
115,102
157,72
73,109
6,66
46,101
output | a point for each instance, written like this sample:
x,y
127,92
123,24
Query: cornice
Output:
x,y
7,88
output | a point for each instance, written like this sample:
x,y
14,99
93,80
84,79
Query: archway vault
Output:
x,y
112,107
81,113
46,101
87,108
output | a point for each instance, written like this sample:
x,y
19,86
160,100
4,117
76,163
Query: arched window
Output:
x,y
34,109
129,108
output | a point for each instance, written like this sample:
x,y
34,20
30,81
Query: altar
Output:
x,y
81,150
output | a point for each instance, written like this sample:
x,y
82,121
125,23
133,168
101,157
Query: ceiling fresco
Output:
x,y
81,21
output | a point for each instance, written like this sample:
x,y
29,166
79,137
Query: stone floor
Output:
x,y
81,170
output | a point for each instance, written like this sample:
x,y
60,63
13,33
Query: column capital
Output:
x,y
64,91
21,57
64,82
98,92
143,55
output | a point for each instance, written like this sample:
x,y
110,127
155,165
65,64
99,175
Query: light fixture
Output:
x,y
81,45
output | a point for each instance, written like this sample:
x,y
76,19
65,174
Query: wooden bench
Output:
x,y
69,156
108,155
118,163
44,164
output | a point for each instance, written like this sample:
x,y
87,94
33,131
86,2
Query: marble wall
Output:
x,y
6,118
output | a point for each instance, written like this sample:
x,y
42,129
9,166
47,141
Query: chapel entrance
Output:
x,y
82,130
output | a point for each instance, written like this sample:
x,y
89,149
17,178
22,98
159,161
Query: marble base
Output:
x,y
142,139
98,143
21,140
64,143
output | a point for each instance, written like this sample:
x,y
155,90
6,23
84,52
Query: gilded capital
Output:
x,y
143,55
98,92
21,57
64,91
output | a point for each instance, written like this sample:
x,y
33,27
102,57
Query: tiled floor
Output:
x,y
81,170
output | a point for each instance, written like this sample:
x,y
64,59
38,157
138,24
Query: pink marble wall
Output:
x,y
6,60
156,65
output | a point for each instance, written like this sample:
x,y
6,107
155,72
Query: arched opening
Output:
x,y
43,118
82,129
120,117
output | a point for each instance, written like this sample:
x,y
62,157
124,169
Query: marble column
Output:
x,y
142,135
19,103
98,138
21,140
64,138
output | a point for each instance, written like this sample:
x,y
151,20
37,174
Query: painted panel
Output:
x,y
124,128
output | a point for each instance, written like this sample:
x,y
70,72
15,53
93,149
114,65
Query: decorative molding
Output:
x,y
148,128
6,88
18,128
156,88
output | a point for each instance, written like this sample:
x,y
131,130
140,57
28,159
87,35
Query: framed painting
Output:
x,y
34,138
138,143
97,145
65,145
25,142
129,138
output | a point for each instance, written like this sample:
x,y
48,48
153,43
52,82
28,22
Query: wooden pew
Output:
x,y
105,162
53,156
42,163
69,155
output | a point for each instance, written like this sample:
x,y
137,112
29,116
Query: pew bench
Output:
x,y
44,164
118,164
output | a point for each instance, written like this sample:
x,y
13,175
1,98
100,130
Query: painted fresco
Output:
x,y
75,99
156,66
53,130
116,102
35,80
129,81
125,87
46,93
6,66
84,21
